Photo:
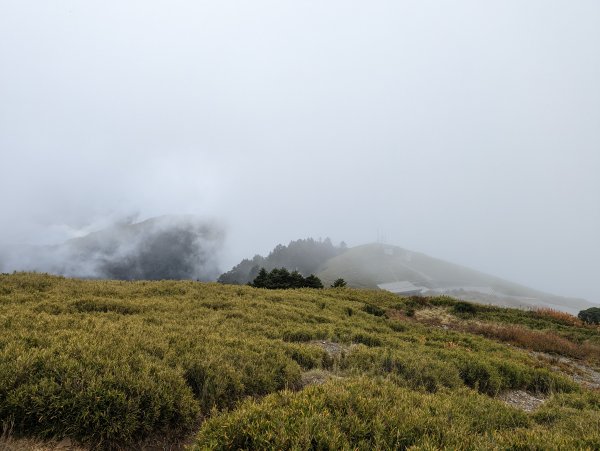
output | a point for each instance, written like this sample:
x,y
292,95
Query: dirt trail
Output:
x,y
578,371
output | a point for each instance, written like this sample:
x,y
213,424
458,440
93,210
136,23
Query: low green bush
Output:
x,y
373,310
366,339
104,306
464,308
99,399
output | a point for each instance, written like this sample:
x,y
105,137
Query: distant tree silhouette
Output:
x,y
296,280
262,279
339,283
281,278
305,256
590,316
313,281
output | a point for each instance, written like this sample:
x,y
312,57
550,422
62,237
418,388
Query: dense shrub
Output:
x,y
366,414
299,335
220,379
366,339
464,308
94,398
104,306
373,310
590,316
339,283
281,278
308,357
361,414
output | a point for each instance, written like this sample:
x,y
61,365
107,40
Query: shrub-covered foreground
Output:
x,y
377,414
110,362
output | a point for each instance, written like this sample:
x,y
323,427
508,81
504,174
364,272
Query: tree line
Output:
x,y
281,278
305,255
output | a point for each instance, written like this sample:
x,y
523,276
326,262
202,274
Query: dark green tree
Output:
x,y
339,283
590,316
296,280
261,280
279,279
313,281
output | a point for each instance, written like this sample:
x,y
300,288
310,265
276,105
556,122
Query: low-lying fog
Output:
x,y
464,130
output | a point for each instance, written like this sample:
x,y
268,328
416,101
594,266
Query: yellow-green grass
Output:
x,y
371,413
110,362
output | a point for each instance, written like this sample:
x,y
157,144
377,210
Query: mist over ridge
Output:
x,y
166,247
467,131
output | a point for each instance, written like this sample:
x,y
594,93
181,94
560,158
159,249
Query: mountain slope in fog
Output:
x,y
166,247
368,265
305,256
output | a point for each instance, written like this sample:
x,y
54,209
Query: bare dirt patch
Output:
x,y
581,373
521,400
163,442
9,443
316,377
333,349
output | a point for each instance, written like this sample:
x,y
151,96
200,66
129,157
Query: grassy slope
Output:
x,y
108,362
368,265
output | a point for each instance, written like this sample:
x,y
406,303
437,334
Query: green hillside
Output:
x,y
169,364
368,265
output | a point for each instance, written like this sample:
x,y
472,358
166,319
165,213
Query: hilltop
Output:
x,y
144,364
370,265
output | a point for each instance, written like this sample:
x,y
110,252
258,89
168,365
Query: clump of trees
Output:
x,y
590,316
339,283
281,278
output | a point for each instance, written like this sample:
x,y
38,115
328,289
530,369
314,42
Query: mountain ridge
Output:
x,y
368,265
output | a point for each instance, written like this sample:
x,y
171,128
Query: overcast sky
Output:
x,y
467,130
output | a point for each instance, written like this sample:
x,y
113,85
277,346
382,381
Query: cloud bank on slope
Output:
x,y
168,247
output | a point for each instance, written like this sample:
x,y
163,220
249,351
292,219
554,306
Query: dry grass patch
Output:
x,y
565,318
435,315
540,341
